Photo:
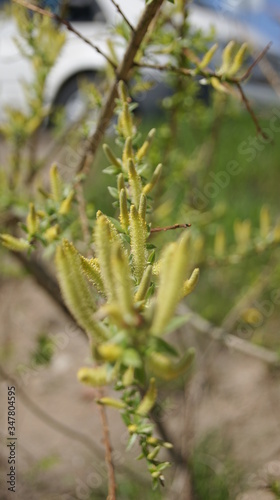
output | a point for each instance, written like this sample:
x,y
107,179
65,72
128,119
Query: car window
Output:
x,y
84,11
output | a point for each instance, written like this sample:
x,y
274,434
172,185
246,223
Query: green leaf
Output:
x,y
112,170
159,345
131,358
113,192
176,323
131,441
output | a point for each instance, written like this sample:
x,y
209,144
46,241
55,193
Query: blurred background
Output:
x,y
221,176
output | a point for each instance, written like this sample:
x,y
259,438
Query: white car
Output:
x,y
94,19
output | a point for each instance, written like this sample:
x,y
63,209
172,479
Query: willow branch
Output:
x,y
112,487
250,111
122,73
65,23
123,15
231,341
169,228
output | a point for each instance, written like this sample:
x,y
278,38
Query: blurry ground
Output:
x,y
233,395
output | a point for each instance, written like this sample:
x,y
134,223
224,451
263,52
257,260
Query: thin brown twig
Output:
x,y
123,15
250,111
121,74
65,23
112,487
254,63
169,228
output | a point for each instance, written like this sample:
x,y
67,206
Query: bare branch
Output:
x,y
123,15
108,451
121,74
255,62
250,111
168,228
65,23
231,341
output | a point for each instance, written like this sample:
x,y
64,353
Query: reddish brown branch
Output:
x,y
250,111
121,74
255,62
112,487
168,228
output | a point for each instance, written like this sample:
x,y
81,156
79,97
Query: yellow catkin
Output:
x,y
95,377
15,244
56,183
237,61
191,283
166,369
208,57
154,180
148,400
32,220
141,153
75,291
65,206
144,284
91,269
135,183
124,217
138,236
172,277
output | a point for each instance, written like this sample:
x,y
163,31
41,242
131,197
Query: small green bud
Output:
x,y
109,352
56,183
191,283
128,376
154,180
121,184
166,369
95,377
32,220
217,85
148,400
65,206
15,244
144,284
238,61
127,152
141,153
153,454
208,57
52,233
143,206
226,58
111,157
115,403
127,123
